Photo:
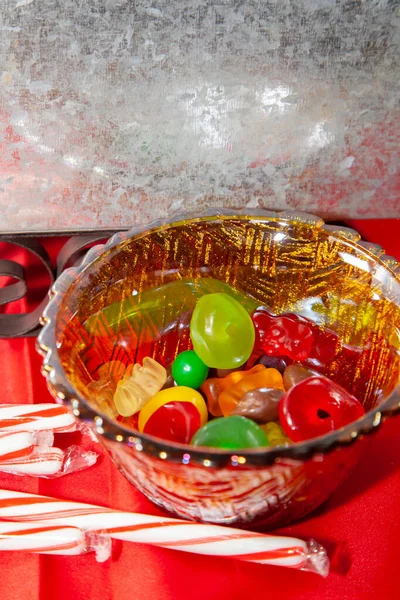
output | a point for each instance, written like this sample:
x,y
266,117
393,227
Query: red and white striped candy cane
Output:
x,y
37,463
18,444
44,538
176,534
34,417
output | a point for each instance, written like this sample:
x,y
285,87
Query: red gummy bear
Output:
x,y
316,406
325,347
295,337
286,335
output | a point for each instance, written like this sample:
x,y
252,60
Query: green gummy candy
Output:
x,y
222,331
230,433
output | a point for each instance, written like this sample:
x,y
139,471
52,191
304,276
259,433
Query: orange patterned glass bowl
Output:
x,y
289,262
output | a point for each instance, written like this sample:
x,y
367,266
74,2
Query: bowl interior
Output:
x,y
136,299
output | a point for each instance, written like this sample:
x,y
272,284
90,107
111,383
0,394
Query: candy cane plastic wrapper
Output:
x,y
42,538
26,441
175,534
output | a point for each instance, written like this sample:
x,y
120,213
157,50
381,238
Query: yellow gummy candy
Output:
x,y
275,434
134,391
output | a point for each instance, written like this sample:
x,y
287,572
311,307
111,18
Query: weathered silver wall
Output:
x,y
117,111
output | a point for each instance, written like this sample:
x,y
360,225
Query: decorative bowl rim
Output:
x,y
64,392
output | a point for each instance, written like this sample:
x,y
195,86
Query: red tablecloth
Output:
x,y
362,520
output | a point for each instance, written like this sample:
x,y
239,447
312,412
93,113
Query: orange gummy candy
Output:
x,y
253,379
213,387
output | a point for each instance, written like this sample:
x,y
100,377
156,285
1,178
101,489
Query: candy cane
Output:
x,y
176,534
18,444
36,463
48,539
52,539
33,417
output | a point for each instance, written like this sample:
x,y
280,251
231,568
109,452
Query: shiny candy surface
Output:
x,y
326,344
275,434
174,414
169,382
213,387
188,369
294,338
260,405
282,335
257,377
174,422
317,406
293,374
133,391
273,362
222,331
225,372
231,433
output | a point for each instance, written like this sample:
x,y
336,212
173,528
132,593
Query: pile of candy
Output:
x,y
252,379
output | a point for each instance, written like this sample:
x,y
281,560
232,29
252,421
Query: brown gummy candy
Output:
x,y
272,362
293,374
260,405
212,388
169,382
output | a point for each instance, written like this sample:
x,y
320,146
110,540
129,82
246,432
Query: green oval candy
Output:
x,y
222,331
230,433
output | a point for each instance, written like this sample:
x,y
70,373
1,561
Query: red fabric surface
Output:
x,y
359,525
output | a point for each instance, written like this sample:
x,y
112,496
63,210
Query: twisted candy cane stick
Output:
x,y
48,539
51,539
29,453
36,463
33,417
177,534
17,444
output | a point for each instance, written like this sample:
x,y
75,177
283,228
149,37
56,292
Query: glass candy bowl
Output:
x,y
105,312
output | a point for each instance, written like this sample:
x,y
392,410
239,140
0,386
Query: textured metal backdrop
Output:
x,y
114,112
